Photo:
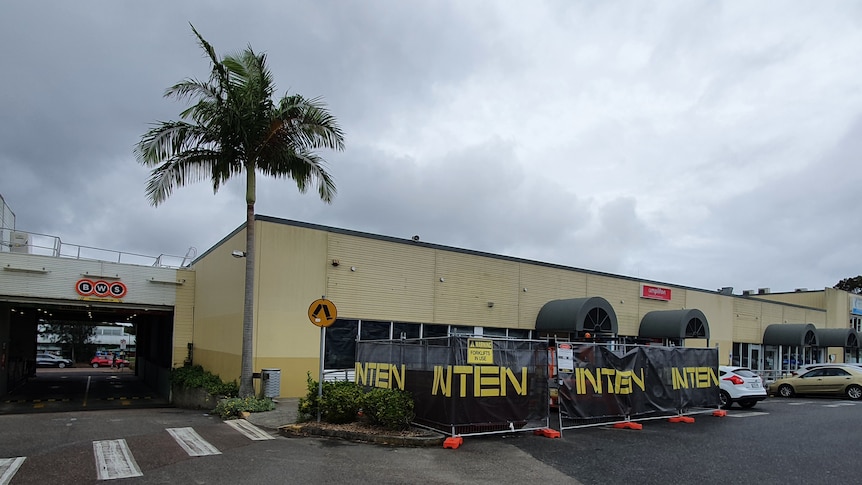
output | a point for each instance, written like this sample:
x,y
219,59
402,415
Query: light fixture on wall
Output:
x,y
236,253
335,262
353,268
490,304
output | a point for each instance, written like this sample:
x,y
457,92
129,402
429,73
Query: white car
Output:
x,y
739,385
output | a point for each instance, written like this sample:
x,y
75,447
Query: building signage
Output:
x,y
100,288
856,308
655,292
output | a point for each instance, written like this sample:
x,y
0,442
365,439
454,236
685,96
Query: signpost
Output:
x,y
322,313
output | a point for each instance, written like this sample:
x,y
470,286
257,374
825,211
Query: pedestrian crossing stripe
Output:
x,y
114,460
192,442
8,468
250,431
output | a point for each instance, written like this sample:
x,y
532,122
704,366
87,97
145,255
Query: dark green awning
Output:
x,y
593,314
675,324
838,337
804,334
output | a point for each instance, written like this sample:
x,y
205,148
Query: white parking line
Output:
x,y
192,442
114,460
746,415
250,431
839,404
9,467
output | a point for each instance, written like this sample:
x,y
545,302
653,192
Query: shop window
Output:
x,y
340,344
371,330
406,330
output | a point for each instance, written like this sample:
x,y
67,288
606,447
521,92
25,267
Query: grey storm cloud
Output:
x,y
700,143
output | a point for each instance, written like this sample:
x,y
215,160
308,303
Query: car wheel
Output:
x,y
854,392
747,403
785,390
95,365
61,365
724,400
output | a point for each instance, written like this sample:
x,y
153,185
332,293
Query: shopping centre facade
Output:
x,y
388,287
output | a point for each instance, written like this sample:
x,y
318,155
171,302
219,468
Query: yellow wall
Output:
x,y
396,280
219,293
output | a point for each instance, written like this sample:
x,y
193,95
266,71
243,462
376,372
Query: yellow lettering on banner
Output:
x,y
463,371
378,374
696,377
442,381
482,378
618,381
487,381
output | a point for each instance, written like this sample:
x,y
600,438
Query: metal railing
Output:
x,y
48,245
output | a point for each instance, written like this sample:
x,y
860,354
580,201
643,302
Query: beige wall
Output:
x,y
184,314
396,280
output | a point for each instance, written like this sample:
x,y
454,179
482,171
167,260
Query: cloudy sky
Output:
x,y
699,143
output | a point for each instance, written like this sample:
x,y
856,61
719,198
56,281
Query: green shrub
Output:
x,y
195,377
342,401
389,408
339,403
233,408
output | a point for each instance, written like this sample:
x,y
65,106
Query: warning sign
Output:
x,y
322,312
480,351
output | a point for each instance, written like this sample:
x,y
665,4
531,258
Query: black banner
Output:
x,y
463,382
598,382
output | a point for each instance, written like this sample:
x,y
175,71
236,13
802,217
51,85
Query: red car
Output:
x,y
107,361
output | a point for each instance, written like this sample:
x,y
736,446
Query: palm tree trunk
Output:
x,y
246,385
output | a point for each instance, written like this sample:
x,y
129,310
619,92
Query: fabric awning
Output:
x,y
804,334
593,314
838,337
675,324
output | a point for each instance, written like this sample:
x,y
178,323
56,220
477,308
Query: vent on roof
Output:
x,y
747,292
726,290
800,289
763,291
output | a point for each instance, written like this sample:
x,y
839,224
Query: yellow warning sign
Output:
x,y
480,351
322,312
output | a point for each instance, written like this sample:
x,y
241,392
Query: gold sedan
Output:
x,y
842,380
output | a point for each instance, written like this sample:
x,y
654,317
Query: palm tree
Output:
x,y
235,127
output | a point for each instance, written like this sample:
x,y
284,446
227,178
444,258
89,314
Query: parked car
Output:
x,y
51,360
108,361
835,379
739,385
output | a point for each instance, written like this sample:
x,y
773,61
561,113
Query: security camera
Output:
x,y
415,238
237,253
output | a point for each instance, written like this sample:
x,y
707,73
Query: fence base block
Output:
x,y
547,433
628,425
681,419
719,413
453,442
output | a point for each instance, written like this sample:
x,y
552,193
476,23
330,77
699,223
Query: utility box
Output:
x,y
270,382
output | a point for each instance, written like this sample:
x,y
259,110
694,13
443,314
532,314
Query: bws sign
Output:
x,y
100,288
655,292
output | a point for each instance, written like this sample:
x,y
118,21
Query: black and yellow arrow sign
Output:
x,y
322,312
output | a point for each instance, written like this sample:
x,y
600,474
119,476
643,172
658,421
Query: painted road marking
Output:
x,y
839,404
9,467
250,431
114,460
746,415
192,442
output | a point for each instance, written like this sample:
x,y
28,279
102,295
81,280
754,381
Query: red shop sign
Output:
x,y
100,288
655,292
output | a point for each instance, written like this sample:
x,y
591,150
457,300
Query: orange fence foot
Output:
x,y
628,425
719,413
681,419
453,442
547,433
